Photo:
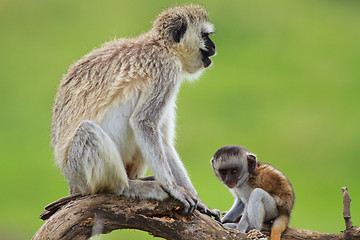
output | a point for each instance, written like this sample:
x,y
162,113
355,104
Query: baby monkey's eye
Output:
x,y
223,172
234,171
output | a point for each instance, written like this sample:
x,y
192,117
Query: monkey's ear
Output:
x,y
178,30
251,159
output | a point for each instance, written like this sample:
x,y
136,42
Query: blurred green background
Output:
x,y
285,84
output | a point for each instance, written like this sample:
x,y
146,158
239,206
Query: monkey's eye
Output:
x,y
204,34
234,171
223,172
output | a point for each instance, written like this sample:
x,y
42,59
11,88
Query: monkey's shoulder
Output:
x,y
271,180
127,62
126,51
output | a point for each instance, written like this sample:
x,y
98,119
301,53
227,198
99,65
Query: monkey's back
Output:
x,y
275,183
106,76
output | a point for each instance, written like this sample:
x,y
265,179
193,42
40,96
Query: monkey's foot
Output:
x,y
231,225
147,178
145,190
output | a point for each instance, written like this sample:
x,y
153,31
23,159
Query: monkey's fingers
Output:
x,y
215,213
190,201
210,212
191,206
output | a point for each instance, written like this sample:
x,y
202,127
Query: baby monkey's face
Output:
x,y
233,165
230,175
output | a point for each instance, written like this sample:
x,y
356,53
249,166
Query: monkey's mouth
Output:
x,y
206,61
230,184
205,56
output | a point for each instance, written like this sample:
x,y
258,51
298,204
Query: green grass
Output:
x,y
285,84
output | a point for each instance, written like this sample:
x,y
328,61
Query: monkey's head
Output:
x,y
233,164
186,31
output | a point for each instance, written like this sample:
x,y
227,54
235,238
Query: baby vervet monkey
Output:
x,y
114,112
262,193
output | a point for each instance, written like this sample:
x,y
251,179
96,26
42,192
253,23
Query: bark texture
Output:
x,y
80,217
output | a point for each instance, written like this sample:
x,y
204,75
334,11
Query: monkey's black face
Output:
x,y
209,51
230,176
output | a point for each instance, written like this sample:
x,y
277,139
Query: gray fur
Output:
x,y
234,213
261,207
114,112
261,194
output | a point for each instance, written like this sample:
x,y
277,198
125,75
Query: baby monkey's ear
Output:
x,y
251,159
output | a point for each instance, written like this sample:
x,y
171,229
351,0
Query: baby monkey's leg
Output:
x,y
261,207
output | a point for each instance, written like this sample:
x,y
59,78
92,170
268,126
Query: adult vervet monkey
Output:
x,y
114,111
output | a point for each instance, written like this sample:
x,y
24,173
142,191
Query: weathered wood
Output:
x,y
80,217
346,208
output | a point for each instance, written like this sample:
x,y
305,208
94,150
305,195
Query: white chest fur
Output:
x,y
116,125
242,192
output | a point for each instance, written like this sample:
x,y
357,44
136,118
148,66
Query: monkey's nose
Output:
x,y
230,184
211,51
210,46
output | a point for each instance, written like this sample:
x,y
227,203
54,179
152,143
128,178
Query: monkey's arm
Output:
x,y
145,121
181,177
234,213
168,129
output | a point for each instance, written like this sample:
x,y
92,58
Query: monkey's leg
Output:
x,y
243,225
234,213
96,166
261,207
94,163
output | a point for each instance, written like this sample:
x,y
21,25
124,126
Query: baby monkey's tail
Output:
x,y
279,225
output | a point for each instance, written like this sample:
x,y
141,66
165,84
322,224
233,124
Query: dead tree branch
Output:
x,y
346,209
80,217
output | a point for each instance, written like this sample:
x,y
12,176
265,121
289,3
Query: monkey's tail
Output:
x,y
279,225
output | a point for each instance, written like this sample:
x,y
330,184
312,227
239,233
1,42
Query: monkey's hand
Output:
x,y
191,202
230,219
208,211
183,195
